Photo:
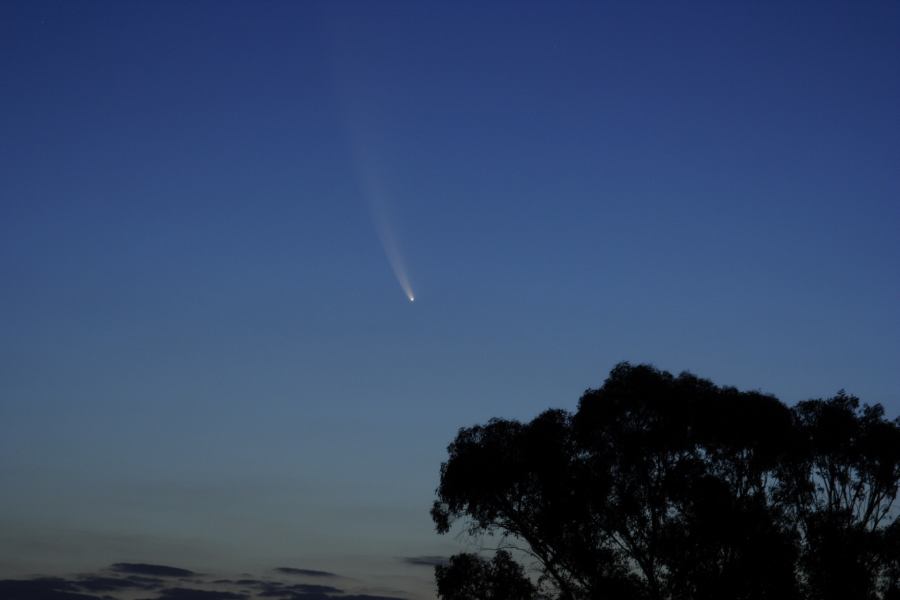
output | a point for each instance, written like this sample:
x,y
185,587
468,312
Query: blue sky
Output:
x,y
206,357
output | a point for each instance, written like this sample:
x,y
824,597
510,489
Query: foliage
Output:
x,y
671,488
470,577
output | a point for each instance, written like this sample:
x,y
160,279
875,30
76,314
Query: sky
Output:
x,y
212,215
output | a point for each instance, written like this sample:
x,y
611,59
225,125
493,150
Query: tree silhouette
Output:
x,y
672,488
470,577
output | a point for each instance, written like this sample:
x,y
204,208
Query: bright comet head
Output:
x,y
412,298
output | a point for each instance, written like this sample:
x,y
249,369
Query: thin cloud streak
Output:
x,y
102,585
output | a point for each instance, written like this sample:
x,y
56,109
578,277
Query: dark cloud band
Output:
x,y
153,570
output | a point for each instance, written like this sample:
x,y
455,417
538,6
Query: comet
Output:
x,y
381,218
364,143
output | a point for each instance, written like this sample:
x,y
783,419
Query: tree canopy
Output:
x,y
663,487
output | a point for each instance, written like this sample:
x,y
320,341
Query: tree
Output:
x,y
672,488
470,577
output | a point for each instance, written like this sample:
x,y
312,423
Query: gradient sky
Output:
x,y
205,357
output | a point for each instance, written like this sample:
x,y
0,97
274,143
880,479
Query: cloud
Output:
x,y
240,581
308,588
194,594
312,595
306,596
425,561
154,570
94,583
112,587
148,582
277,590
306,572
41,588
368,597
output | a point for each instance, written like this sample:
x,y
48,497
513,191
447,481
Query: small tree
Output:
x,y
672,488
470,577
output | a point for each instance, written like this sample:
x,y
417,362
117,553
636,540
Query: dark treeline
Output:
x,y
671,488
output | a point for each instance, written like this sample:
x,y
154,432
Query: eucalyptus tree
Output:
x,y
672,488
